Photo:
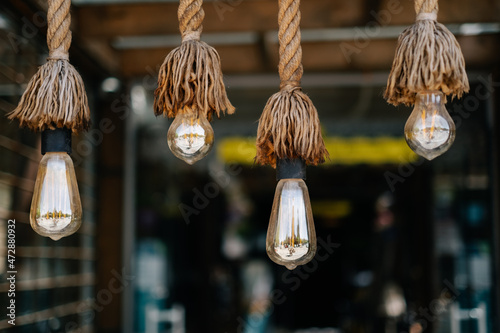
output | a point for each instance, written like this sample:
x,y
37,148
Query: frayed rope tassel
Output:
x,y
55,96
428,57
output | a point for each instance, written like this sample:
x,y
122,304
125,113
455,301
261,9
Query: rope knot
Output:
x,y
58,54
191,35
290,85
432,16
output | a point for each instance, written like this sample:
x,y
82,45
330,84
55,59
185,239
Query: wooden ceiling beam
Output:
x,y
377,55
101,25
111,21
146,62
450,11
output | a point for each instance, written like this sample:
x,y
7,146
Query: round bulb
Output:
x,y
291,238
56,210
430,131
190,137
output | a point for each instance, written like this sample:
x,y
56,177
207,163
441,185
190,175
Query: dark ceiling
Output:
x,y
131,38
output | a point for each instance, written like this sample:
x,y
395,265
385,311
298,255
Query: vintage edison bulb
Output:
x,y
56,210
190,137
291,238
430,131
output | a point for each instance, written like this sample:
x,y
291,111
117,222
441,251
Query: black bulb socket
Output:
x,y
290,169
56,140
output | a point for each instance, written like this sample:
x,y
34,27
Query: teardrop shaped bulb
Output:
x,y
190,137
430,131
56,209
291,238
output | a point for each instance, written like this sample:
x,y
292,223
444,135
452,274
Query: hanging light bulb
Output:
x,y
190,137
430,131
56,210
291,238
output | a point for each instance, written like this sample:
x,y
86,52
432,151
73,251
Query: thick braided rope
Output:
x,y
426,6
191,15
290,51
58,33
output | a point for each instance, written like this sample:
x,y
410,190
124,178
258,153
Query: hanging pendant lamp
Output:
x,y
288,138
428,66
55,103
190,88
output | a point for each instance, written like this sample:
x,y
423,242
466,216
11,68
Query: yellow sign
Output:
x,y
343,151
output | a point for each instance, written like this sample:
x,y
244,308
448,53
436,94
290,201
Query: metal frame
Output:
x,y
128,237
307,35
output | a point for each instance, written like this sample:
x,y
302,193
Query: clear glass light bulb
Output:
x,y
291,238
430,131
190,137
56,210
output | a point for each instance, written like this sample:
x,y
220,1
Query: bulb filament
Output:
x,y
430,135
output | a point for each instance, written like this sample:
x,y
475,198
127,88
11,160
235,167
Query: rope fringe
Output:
x,y
426,16
55,96
191,74
289,127
428,57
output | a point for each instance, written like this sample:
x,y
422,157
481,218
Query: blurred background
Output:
x,y
404,245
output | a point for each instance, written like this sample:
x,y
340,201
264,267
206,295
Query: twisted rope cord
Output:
x,y
290,52
58,33
191,15
426,6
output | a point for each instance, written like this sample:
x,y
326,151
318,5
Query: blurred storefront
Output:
x,y
405,245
